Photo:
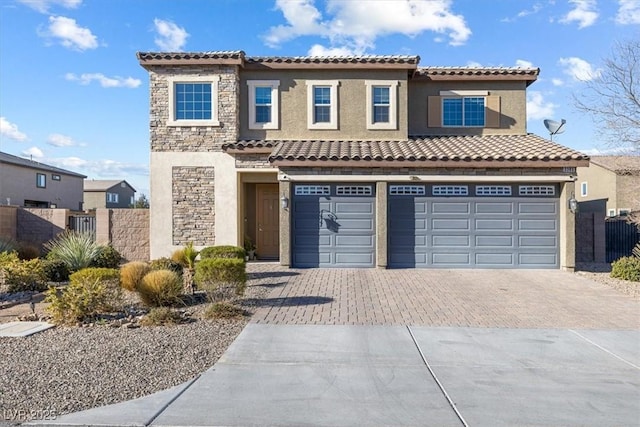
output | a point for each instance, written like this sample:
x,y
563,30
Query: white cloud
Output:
x,y
171,37
584,13
611,151
354,26
87,78
629,12
59,140
537,107
474,64
43,6
578,69
557,82
524,64
69,34
100,168
534,9
319,50
10,130
33,152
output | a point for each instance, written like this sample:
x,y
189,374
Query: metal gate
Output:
x,y
621,237
83,224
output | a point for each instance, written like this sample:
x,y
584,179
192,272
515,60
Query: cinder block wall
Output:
x,y
8,222
38,226
128,232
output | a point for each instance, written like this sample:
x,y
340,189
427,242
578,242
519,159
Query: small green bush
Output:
x,y
219,276
55,270
636,250
19,276
626,268
131,274
159,316
223,252
81,300
166,264
107,258
160,288
77,250
224,310
109,277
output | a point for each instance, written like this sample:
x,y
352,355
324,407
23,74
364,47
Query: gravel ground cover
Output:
x,y
601,273
68,369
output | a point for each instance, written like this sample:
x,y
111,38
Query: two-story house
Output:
x,y
31,184
108,193
355,162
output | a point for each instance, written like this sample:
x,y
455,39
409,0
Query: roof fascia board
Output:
x,y
330,65
283,176
430,163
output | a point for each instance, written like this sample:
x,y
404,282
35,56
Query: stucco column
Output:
x,y
285,225
381,224
567,228
103,225
60,218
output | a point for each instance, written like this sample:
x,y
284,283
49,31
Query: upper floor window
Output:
x,y
112,197
381,104
322,100
464,108
583,189
41,180
193,101
263,104
56,177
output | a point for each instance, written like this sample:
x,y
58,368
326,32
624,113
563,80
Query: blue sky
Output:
x,y
73,95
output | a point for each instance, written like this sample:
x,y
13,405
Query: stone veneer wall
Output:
x,y
129,233
191,138
193,205
252,161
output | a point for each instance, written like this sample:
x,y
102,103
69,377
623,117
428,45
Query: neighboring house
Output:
x,y
615,179
104,193
27,183
357,161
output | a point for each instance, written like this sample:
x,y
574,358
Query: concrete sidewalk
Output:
x,y
342,375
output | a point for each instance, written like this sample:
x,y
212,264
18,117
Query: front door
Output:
x,y
267,221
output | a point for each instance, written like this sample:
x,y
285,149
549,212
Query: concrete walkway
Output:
x,y
414,347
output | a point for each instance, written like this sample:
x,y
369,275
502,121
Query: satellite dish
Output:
x,y
554,128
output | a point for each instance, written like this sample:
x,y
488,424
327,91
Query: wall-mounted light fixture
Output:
x,y
573,203
284,202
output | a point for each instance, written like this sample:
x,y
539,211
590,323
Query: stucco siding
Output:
x,y
601,184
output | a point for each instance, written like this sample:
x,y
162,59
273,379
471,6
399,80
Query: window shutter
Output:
x,y
492,112
434,112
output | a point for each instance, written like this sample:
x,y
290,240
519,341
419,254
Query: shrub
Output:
x,y
224,310
77,250
109,277
159,316
19,275
108,257
28,251
626,268
55,270
132,273
217,277
159,288
186,256
636,250
166,264
223,252
82,299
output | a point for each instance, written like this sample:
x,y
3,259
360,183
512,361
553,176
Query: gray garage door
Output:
x,y
333,225
473,226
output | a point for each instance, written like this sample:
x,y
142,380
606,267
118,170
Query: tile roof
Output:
x,y
103,184
222,54
619,164
19,161
248,143
364,59
477,71
427,150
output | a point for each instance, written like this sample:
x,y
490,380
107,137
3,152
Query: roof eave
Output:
x,y
431,163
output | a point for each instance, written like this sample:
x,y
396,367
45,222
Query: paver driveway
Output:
x,y
472,298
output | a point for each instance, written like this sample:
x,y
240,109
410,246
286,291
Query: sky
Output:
x,y
73,95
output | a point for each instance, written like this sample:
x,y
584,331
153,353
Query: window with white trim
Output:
x,y
56,177
450,190
193,101
583,189
354,190
382,104
312,190
537,190
263,104
41,180
112,197
611,212
322,104
407,190
466,111
493,190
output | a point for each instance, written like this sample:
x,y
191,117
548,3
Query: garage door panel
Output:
x,y
537,208
537,241
530,260
310,259
493,259
450,208
494,241
366,242
349,207
308,223
494,208
446,241
449,224
537,224
447,259
494,224
310,240
344,259
355,225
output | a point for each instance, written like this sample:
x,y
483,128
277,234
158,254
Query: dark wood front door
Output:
x,y
267,221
